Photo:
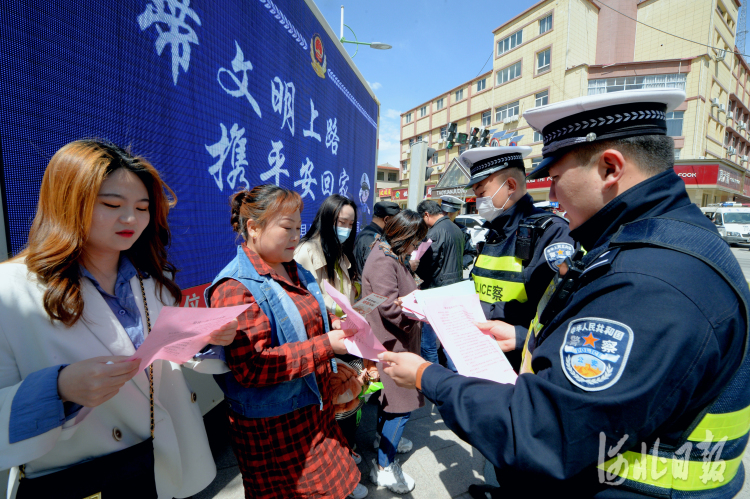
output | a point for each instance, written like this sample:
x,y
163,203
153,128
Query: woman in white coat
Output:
x,y
71,313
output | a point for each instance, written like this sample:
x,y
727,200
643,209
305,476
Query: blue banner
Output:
x,y
219,96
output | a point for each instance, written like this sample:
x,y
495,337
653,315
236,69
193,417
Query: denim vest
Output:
x,y
287,326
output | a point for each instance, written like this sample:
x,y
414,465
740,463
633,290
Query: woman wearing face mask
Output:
x,y
279,390
327,251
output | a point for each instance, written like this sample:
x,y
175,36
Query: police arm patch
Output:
x,y
594,352
557,253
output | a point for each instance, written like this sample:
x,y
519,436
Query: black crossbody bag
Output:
x,y
124,474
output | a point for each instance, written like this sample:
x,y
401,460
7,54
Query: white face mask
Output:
x,y
486,209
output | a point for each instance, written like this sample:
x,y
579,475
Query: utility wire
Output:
x,y
485,62
671,34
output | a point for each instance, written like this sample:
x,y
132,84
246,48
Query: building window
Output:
x,y
542,61
419,138
677,153
509,73
486,118
439,104
545,24
422,111
506,111
459,94
461,149
381,176
535,162
408,118
541,99
481,84
510,42
637,82
411,142
674,123
404,166
537,136
443,132
392,177
435,158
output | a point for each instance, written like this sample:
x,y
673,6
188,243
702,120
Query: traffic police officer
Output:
x,y
637,382
514,267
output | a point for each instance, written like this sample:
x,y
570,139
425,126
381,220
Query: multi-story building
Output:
x,y
561,49
386,180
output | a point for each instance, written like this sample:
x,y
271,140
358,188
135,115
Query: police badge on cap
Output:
x,y
614,115
484,161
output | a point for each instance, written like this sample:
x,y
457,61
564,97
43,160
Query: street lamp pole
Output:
x,y
373,45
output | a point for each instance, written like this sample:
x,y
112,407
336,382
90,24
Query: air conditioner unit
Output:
x,y
722,108
510,119
440,140
715,102
701,157
731,151
730,115
742,126
720,54
743,159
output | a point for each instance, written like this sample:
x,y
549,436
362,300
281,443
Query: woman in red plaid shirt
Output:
x,y
281,415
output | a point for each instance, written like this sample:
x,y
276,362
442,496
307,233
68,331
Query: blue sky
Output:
x,y
437,45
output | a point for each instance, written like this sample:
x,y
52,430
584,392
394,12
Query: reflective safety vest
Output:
x,y
498,274
707,460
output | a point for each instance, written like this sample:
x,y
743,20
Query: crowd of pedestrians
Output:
x,y
78,419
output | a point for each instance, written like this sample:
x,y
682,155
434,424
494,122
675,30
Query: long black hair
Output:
x,y
324,226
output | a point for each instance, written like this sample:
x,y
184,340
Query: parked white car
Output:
x,y
474,224
732,221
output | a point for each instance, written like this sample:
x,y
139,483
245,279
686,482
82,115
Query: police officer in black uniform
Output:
x,y
515,266
636,373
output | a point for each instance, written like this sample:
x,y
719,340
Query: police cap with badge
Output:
x,y
484,161
593,118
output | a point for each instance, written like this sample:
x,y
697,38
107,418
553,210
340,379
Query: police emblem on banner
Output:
x,y
318,56
594,352
557,253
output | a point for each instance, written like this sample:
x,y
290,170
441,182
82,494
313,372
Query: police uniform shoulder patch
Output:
x,y
594,352
557,253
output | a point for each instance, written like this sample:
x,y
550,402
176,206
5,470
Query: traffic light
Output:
x,y
473,137
462,137
428,171
450,137
484,136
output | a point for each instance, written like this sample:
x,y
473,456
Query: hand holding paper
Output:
x,y
181,332
364,344
474,353
417,253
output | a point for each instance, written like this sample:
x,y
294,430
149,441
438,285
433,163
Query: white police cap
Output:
x,y
591,118
484,161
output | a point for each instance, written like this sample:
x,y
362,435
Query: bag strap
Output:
x,y
22,468
151,366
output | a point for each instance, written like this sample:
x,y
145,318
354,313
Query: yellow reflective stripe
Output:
x,y
666,473
495,290
507,263
714,427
